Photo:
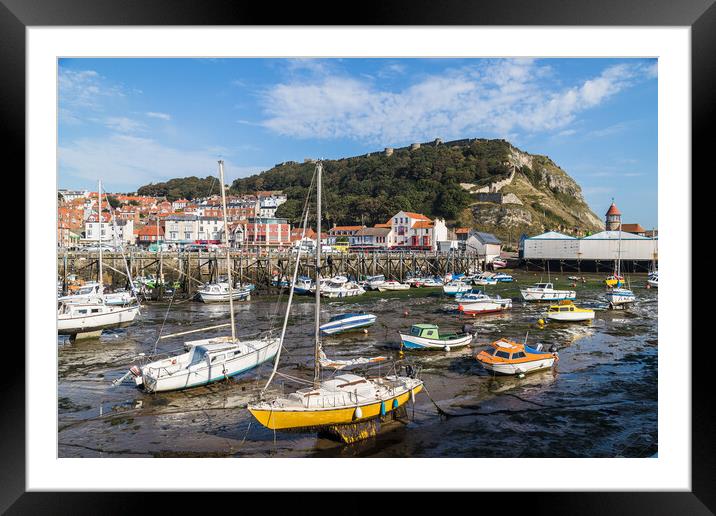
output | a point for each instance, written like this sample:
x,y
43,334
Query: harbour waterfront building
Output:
x,y
596,252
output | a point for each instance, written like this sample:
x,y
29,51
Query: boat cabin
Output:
x,y
563,306
506,350
427,331
544,286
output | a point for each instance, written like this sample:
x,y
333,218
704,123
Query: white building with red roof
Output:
x,y
416,231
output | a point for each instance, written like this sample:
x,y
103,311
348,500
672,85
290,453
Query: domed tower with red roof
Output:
x,y
614,218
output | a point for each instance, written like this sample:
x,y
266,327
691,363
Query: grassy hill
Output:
x,y
438,180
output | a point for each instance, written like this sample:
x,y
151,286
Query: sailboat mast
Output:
x,y
317,363
99,218
619,250
228,254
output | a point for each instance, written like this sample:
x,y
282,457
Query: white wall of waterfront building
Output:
x,y
600,246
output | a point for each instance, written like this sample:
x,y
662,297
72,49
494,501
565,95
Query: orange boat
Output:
x,y
509,358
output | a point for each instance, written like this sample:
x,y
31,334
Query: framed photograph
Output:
x,y
424,245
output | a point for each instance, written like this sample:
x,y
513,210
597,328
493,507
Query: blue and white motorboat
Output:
x,y
347,322
503,277
303,285
428,336
620,297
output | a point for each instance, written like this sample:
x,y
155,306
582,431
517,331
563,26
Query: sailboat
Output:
x,y
618,296
97,311
207,360
341,404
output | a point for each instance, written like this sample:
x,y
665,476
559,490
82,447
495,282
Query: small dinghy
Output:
x,y
347,322
566,311
392,285
373,282
427,336
510,358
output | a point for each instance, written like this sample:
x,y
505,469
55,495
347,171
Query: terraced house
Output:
x,y
416,231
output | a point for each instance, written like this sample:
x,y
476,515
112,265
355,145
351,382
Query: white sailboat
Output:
x,y
207,360
620,297
338,404
87,318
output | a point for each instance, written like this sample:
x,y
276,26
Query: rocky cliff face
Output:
x,y
551,200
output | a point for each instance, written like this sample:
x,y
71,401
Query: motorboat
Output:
x,y
455,287
220,293
373,282
567,311
546,292
653,279
280,282
339,287
88,319
392,285
428,336
510,358
503,277
432,282
484,279
498,263
347,322
620,297
475,303
303,285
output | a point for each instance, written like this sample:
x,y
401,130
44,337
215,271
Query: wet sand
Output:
x,y
599,401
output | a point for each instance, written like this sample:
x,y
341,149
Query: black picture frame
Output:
x,y
700,15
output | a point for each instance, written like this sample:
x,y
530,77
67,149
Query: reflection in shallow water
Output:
x,y
601,401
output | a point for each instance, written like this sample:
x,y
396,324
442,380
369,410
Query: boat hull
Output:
x,y
571,316
116,318
413,342
213,297
484,307
519,368
347,325
556,295
294,419
207,375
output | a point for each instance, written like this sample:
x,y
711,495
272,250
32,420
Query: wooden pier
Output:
x,y
192,269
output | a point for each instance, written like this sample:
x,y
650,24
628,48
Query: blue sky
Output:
x,y
135,121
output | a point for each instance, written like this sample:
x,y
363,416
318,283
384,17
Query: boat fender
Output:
x,y
382,408
174,361
447,348
395,403
412,395
358,413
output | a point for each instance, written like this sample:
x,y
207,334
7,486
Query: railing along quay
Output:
x,y
193,268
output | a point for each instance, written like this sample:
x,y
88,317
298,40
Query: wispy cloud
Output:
x,y
85,89
131,161
161,116
123,124
499,97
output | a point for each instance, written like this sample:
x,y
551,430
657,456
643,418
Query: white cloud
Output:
x,y
123,124
499,97
125,162
84,89
161,116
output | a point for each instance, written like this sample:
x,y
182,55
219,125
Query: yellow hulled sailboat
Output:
x,y
341,403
